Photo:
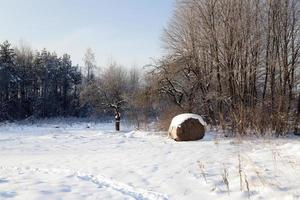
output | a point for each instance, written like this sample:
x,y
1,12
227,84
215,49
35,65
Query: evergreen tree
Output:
x,y
8,80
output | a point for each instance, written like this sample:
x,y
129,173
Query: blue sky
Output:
x,y
127,31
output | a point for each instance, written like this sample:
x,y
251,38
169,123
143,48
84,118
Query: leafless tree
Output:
x,y
232,58
90,64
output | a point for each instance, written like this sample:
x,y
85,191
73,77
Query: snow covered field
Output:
x,y
60,161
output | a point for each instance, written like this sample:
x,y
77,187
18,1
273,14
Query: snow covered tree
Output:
x,y
108,92
113,87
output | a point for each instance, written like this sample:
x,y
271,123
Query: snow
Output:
x,y
63,161
179,119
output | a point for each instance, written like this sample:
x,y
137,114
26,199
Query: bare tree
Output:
x,y
90,64
232,58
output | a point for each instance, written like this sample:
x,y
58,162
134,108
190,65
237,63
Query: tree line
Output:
x,y
41,85
236,62
37,84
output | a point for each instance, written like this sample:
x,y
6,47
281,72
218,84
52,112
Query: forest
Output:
x,y
44,85
234,62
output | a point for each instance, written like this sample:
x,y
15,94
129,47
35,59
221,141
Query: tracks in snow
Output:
x,y
139,194
100,181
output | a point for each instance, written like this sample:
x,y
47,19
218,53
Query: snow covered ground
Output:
x,y
60,161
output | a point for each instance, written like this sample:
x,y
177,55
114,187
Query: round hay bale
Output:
x,y
187,127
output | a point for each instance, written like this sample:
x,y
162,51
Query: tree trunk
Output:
x,y
117,121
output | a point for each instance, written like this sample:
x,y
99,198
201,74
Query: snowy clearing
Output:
x,y
59,161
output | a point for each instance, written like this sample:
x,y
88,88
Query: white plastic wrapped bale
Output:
x,y
187,127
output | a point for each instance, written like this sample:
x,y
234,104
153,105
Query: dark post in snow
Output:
x,y
117,120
